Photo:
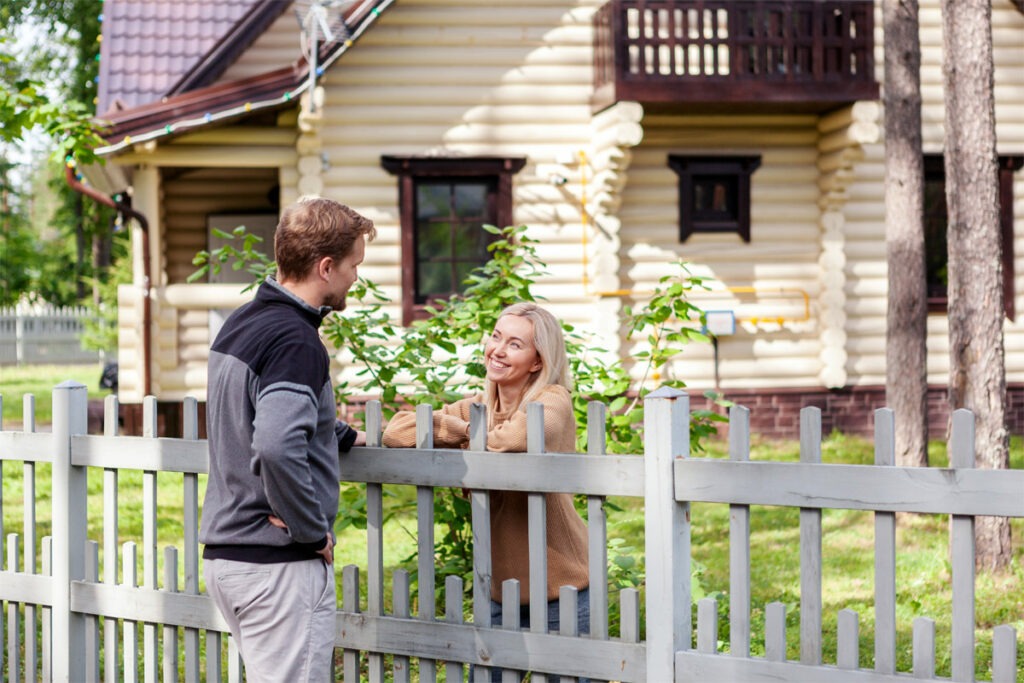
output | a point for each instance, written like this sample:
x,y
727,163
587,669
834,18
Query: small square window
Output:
x,y
714,193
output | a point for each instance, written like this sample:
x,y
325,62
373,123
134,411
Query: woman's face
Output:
x,y
510,356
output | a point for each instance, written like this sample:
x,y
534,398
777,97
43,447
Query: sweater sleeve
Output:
x,y
559,420
450,427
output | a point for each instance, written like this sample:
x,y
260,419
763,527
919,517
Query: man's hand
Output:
x,y
360,439
327,552
277,521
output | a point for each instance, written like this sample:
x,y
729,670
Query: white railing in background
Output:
x,y
77,620
31,335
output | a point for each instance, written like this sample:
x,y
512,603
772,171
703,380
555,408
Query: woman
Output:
x,y
526,362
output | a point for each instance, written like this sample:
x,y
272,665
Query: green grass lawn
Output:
x,y
39,380
923,567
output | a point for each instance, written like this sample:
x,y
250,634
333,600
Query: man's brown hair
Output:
x,y
313,228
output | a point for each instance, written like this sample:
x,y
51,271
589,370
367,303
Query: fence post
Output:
x,y
667,535
70,415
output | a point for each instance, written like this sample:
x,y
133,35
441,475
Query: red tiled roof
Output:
x,y
148,46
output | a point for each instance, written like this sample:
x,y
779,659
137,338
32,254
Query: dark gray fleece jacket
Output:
x,y
273,433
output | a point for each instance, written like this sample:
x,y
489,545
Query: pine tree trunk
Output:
x,y
977,378
907,319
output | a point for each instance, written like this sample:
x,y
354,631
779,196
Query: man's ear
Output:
x,y
324,267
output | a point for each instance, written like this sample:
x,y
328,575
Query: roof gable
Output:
x,y
149,47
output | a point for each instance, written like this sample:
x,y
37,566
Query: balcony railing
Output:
x,y
800,55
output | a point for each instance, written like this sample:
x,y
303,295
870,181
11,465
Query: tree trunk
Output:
x,y
906,386
977,378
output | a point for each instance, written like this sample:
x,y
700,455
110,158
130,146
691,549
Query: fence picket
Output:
x,y
170,635
46,618
213,659
29,498
480,512
452,615
400,608
775,632
924,648
510,620
629,615
150,571
707,626
190,509
1004,654
350,603
13,615
597,529
234,662
810,546
424,534
130,636
848,640
111,428
92,623
962,554
885,552
375,556
568,622
739,542
537,515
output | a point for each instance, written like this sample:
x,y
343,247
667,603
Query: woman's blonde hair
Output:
x,y
550,345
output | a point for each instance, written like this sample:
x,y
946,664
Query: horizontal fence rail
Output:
x,y
75,608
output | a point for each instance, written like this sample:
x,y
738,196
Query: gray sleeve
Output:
x,y
286,417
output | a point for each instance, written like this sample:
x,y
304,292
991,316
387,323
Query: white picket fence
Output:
x,y
63,621
32,335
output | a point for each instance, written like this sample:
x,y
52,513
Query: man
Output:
x,y
274,439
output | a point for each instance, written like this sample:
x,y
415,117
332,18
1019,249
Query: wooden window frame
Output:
x,y
409,170
688,168
934,169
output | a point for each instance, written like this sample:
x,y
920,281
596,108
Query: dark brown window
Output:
x,y
444,204
936,220
714,193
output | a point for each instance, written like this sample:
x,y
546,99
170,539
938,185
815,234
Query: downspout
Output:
x,y
125,209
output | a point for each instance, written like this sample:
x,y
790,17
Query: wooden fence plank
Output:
x,y
141,453
425,537
453,615
400,608
707,626
568,622
510,621
775,632
611,475
111,428
597,529
810,546
931,490
480,510
962,554
170,635
130,636
924,648
92,623
190,508
739,542
213,658
667,535
150,571
46,621
13,615
694,666
350,604
28,483
1004,654
536,505
508,649
885,552
848,640
30,447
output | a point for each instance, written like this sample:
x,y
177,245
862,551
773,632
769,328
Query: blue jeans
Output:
x,y
554,624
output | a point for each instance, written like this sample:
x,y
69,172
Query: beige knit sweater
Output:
x,y
566,531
